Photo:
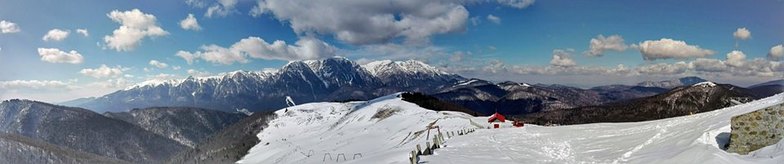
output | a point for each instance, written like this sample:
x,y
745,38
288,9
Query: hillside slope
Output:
x,y
186,125
84,130
383,130
18,149
701,97
695,138
228,145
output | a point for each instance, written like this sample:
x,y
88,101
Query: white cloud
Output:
x,y
736,59
255,47
475,20
189,57
368,22
135,25
82,31
520,4
742,34
34,84
56,35
222,8
8,27
54,55
494,19
562,58
708,65
663,68
601,44
158,64
162,77
190,23
776,52
666,48
196,73
104,71
176,67
196,3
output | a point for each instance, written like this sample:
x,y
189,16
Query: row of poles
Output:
x,y
438,140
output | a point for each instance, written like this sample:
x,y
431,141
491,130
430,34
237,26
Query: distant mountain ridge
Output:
x,y
329,79
669,84
514,98
83,130
20,149
186,125
683,100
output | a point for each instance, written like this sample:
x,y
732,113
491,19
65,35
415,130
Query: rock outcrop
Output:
x,y
755,130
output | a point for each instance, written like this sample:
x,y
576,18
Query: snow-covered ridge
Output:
x,y
466,82
383,130
220,77
411,66
705,84
372,68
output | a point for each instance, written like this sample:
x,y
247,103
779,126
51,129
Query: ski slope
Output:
x,y
687,139
316,132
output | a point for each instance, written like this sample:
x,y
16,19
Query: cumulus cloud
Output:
x,y
494,19
161,77
520,4
56,35
54,55
562,58
368,22
776,52
196,3
104,71
708,65
8,27
196,73
742,34
82,31
666,48
34,84
134,26
222,8
190,23
189,57
663,68
158,64
601,44
255,47
736,59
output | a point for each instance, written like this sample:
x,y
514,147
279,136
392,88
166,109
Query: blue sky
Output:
x,y
519,40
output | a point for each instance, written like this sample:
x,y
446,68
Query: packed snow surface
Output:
x,y
316,132
383,130
689,139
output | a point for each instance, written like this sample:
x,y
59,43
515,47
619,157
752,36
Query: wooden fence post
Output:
x,y
427,149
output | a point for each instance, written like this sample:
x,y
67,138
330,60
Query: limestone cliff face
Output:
x,y
755,130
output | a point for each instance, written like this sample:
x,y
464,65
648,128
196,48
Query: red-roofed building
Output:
x,y
496,119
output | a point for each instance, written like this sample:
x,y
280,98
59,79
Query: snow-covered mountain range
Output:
x,y
331,79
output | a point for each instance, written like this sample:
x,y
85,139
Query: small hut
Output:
x,y
496,119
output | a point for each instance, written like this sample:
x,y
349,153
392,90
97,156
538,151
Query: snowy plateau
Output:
x,y
387,129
